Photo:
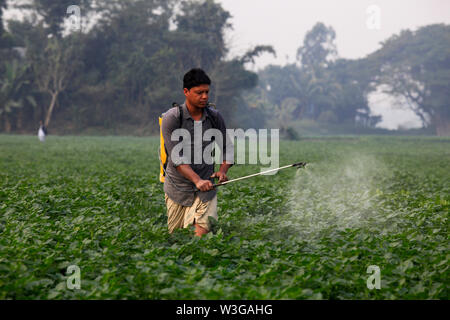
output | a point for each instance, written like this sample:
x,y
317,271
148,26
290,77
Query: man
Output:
x,y
42,132
189,193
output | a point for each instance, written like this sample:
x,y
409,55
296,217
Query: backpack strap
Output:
x,y
174,104
211,116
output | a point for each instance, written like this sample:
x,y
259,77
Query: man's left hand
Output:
x,y
222,176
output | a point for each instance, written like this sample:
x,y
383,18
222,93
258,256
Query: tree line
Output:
x,y
119,64
413,66
123,71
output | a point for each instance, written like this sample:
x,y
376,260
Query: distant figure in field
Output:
x,y
42,132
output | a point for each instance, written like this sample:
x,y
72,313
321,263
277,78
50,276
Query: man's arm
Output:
x,y
188,173
227,151
222,173
224,167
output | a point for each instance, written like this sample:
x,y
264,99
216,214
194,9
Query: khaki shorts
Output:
x,y
179,216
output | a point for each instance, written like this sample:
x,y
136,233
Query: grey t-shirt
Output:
x,y
176,186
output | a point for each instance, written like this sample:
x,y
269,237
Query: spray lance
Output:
x,y
298,165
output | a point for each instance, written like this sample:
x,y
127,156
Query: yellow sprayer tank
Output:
x,y
162,153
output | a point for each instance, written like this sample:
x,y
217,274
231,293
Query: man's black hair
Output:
x,y
194,78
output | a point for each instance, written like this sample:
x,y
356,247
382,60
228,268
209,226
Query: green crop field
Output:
x,y
97,203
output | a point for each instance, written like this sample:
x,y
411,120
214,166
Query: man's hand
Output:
x,y
204,185
219,174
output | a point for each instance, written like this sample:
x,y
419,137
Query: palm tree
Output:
x,y
12,93
314,88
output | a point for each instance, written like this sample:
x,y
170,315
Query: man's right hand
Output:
x,y
204,185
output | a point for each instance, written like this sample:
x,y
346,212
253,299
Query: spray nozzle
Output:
x,y
299,165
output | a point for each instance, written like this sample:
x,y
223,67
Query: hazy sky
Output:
x,y
284,23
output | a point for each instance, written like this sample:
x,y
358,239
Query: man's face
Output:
x,y
197,96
